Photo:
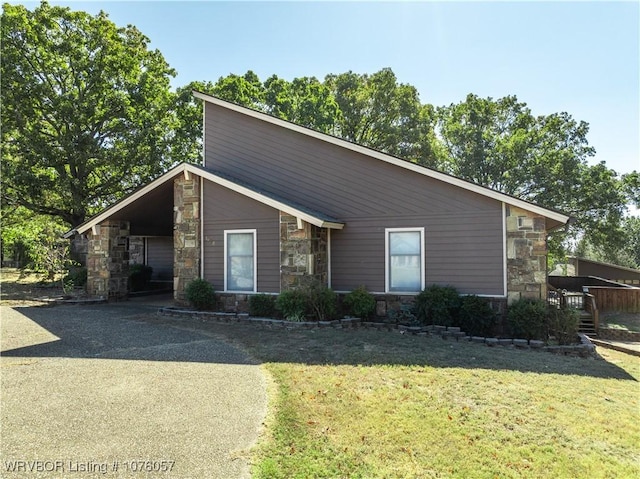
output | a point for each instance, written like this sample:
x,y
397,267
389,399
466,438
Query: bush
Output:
x,y
200,294
476,316
139,276
360,303
564,324
262,305
292,304
437,305
322,301
404,315
527,319
77,277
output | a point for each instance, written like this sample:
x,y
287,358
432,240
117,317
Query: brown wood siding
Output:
x,y
463,230
160,257
227,210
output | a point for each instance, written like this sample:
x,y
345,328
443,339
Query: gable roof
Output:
x,y
423,170
310,216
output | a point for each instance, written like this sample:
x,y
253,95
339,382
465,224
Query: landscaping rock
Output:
x,y
521,343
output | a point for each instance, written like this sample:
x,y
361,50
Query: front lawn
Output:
x,y
384,405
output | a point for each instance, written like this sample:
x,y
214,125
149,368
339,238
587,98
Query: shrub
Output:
x,y
564,324
437,305
527,319
292,304
76,276
322,301
139,276
200,294
262,305
360,303
404,315
476,316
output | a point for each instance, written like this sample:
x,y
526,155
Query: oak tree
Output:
x,y
84,110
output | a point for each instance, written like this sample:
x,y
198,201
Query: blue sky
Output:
x,y
582,58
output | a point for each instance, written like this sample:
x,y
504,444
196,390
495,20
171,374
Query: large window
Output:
x,y
240,260
405,259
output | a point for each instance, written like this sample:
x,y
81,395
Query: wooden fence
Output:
x,y
623,300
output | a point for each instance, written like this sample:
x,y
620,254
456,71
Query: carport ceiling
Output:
x,y
151,214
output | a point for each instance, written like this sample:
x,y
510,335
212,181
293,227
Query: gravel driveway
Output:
x,y
93,391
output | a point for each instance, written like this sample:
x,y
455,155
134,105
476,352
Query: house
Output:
x,y
276,205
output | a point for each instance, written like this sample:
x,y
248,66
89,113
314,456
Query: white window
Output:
x,y
240,260
404,259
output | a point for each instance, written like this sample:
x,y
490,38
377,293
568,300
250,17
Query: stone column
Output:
x,y
108,260
304,257
526,255
186,234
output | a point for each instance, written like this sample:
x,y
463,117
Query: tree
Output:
x,y
377,112
500,144
186,143
246,90
304,101
84,111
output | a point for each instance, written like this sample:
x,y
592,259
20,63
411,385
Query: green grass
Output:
x,y
383,405
368,404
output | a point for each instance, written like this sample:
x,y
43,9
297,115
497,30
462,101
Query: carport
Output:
x,y
149,227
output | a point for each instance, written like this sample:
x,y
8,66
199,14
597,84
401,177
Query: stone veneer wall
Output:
x,y
136,250
108,260
526,255
186,234
304,254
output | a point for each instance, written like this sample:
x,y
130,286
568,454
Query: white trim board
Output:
x,y
254,234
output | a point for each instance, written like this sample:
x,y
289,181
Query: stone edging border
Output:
x,y
585,349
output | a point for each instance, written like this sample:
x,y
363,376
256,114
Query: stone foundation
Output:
x,y
526,255
108,260
232,302
186,234
304,255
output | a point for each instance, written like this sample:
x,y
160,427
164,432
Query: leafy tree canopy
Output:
x,y
543,159
84,110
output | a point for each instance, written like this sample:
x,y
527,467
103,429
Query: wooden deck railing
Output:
x,y
590,306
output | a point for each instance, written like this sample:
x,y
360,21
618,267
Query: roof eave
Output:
x,y
186,168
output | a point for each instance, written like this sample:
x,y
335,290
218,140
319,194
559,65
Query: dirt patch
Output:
x,y
624,321
27,288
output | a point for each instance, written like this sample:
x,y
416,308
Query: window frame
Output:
x,y
387,267
255,260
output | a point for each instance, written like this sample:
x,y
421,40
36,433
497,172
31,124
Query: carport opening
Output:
x,y
136,241
151,264
151,240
